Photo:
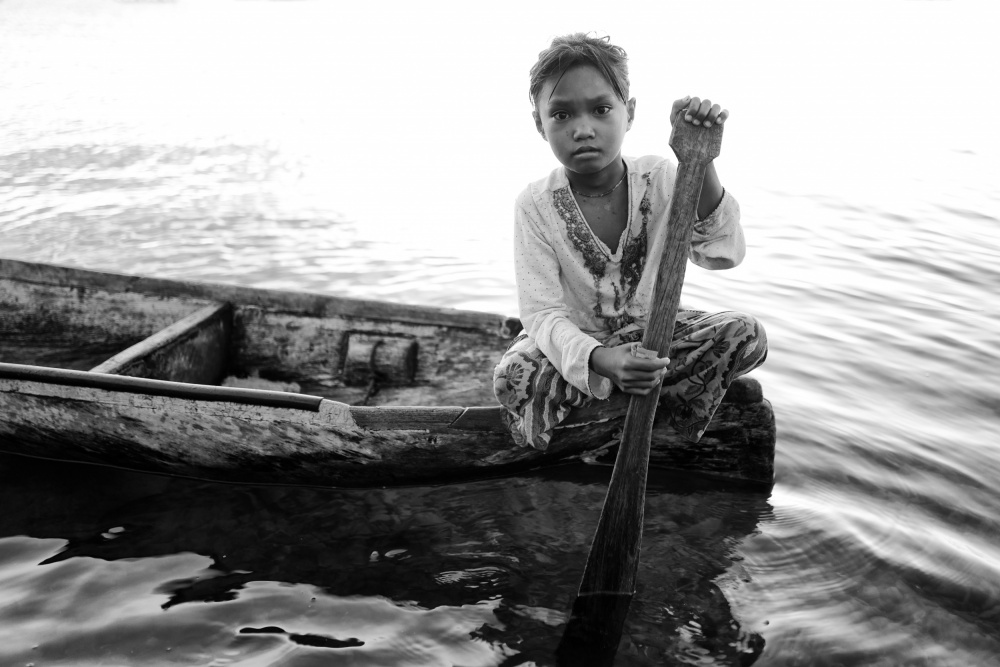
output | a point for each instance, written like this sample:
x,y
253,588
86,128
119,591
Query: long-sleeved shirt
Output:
x,y
574,293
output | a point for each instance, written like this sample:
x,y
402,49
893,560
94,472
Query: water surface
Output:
x,y
376,153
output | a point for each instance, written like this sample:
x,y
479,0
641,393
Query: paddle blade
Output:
x,y
594,631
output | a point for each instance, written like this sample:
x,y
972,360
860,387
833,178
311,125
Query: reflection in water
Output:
x,y
486,572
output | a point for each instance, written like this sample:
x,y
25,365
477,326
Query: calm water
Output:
x,y
376,153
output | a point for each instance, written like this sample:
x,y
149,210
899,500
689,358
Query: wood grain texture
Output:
x,y
303,303
39,322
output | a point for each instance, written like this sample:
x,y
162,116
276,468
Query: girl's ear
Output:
x,y
630,106
538,124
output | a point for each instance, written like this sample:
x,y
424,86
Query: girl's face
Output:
x,y
583,120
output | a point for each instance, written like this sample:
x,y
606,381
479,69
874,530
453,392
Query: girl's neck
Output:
x,y
598,182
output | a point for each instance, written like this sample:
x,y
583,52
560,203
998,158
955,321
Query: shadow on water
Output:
x,y
520,542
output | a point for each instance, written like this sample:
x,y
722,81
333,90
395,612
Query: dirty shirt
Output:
x,y
574,293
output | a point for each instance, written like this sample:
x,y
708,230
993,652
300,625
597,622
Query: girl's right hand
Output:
x,y
698,111
631,374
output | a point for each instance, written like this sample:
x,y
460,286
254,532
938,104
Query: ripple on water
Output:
x,y
858,578
114,611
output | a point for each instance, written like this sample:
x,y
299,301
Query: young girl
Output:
x,y
583,238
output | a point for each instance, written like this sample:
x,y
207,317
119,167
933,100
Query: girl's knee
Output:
x,y
749,337
517,368
745,326
740,320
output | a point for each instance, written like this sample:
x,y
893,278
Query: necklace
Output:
x,y
603,194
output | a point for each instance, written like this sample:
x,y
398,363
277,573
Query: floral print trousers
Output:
x,y
708,352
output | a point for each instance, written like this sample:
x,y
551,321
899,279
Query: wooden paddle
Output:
x,y
608,585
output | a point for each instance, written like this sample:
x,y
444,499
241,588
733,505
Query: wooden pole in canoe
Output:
x,y
608,584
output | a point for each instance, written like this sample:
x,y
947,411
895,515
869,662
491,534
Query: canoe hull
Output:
x,y
238,442
126,371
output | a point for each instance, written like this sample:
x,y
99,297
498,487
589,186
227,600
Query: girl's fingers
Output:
x,y
644,382
692,109
706,106
697,110
646,366
677,107
713,115
641,384
703,112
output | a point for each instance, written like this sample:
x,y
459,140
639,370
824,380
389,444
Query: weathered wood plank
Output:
x,y
384,418
49,319
195,350
480,419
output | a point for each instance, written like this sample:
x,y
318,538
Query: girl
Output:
x,y
583,237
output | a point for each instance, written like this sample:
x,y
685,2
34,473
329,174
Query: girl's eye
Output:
x,y
560,115
602,110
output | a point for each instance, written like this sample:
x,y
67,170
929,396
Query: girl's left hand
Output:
x,y
699,112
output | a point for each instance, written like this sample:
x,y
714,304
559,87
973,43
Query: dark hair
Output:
x,y
581,49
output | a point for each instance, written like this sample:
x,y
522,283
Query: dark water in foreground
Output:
x,y
155,570
216,143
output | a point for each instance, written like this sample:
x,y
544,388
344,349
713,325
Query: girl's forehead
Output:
x,y
582,80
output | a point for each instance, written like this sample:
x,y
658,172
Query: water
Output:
x,y
376,153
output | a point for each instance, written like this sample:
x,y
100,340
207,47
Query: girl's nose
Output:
x,y
583,131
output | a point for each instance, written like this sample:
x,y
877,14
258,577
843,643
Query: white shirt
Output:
x,y
574,293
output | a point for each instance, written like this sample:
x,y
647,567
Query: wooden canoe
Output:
x,y
250,385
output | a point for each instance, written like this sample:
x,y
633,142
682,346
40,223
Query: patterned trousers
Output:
x,y
708,352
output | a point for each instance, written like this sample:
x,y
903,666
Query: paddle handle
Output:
x,y
614,556
695,148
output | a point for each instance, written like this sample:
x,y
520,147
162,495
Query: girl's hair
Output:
x,y
581,49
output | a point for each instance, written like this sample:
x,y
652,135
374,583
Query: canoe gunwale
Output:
x,y
276,301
